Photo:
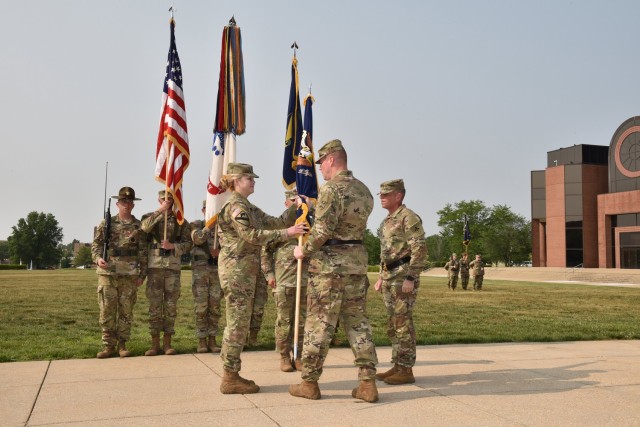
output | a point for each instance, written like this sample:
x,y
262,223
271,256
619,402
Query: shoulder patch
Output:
x,y
240,216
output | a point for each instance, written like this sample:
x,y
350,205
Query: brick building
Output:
x,y
585,206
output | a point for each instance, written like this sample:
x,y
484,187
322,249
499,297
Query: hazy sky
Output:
x,y
462,99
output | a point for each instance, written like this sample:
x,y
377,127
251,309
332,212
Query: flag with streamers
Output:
x,y
467,233
306,176
172,147
294,131
230,117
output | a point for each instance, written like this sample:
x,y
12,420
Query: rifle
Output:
x,y
107,217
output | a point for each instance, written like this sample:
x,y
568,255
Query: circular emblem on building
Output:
x,y
627,154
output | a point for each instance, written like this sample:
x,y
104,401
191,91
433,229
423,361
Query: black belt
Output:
x,y
395,264
333,242
123,252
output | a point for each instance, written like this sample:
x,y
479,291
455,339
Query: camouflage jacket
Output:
x,y
452,266
464,266
279,263
344,205
403,236
203,245
243,228
153,225
477,267
127,254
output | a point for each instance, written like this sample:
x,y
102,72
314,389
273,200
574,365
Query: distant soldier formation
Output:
x,y
247,252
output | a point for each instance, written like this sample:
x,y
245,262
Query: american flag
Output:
x,y
172,148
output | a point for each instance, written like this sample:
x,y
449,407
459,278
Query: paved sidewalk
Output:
x,y
594,383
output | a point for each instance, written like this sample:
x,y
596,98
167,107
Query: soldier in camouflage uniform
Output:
x,y
242,229
282,269
338,288
163,284
452,266
120,274
464,271
403,256
477,265
205,285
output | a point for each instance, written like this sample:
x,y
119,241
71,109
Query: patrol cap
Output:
x,y
291,194
241,169
454,254
127,193
161,194
393,185
328,148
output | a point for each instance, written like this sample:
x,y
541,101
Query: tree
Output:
x,y
508,236
372,243
452,223
83,257
4,250
36,239
435,248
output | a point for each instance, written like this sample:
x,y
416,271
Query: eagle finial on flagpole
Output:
x,y
294,46
172,9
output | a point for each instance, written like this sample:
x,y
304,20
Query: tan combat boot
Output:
x,y
390,372
233,383
155,346
122,349
106,352
366,391
213,346
285,364
253,339
166,345
306,389
404,375
202,345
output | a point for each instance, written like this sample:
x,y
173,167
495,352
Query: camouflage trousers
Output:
x,y
163,291
116,297
239,291
477,282
464,279
207,294
259,301
331,297
453,279
400,328
285,299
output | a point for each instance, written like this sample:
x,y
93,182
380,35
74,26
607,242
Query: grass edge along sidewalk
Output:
x,y
53,314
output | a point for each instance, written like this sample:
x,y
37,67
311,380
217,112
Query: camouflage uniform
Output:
x,y
117,289
402,241
163,283
259,300
337,284
205,283
283,268
477,265
464,271
452,266
239,266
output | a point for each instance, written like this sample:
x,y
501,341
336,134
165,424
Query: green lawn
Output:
x,y
54,315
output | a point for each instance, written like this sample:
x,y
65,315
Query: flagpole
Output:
x,y
166,187
297,316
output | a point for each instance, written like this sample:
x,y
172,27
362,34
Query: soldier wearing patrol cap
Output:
x,y
403,256
205,285
337,287
281,273
167,243
242,229
120,274
453,267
